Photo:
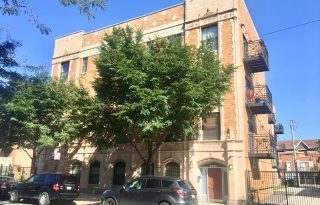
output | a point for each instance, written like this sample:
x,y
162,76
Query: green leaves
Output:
x,y
156,92
45,112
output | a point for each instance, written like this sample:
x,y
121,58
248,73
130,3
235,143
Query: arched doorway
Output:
x,y
214,181
119,173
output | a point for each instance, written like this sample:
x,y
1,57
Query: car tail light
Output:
x,y
3,186
56,187
180,192
78,189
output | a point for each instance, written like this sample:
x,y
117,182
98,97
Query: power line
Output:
x,y
291,27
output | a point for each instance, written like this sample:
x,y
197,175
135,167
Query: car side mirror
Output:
x,y
124,188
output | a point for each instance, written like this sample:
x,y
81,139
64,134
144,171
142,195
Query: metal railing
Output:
x,y
259,95
272,119
256,48
262,144
282,187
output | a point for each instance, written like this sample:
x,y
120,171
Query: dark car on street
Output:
x,y
47,187
5,184
152,190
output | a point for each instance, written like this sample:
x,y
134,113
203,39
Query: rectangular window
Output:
x,y
85,65
175,38
65,70
210,38
211,127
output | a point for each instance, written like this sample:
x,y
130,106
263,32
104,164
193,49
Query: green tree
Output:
x,y
45,113
155,93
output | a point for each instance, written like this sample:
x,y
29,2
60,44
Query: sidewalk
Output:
x,y
88,199
94,199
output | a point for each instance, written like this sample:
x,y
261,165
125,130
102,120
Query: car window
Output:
x,y
52,179
166,183
30,180
39,178
152,183
135,184
185,184
68,179
10,179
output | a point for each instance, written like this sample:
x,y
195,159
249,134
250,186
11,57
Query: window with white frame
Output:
x,y
65,70
84,64
211,127
210,37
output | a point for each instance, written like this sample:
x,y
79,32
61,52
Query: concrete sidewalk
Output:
x,y
94,199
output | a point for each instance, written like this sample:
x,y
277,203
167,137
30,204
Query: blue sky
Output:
x,y
294,76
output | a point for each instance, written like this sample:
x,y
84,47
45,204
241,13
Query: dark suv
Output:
x,y
46,187
152,190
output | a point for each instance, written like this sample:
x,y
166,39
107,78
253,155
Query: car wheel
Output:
x,y
14,196
164,203
109,201
44,199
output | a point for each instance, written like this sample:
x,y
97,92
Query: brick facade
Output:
x,y
230,154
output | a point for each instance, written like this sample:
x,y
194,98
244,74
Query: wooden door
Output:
x,y
215,184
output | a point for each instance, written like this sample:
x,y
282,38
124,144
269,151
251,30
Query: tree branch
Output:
x,y
27,153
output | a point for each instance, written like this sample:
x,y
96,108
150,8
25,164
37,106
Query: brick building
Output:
x,y
239,136
308,159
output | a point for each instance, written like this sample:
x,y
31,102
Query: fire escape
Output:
x,y
259,102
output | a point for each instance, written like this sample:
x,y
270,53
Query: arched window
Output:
x,y
119,173
94,173
172,169
76,169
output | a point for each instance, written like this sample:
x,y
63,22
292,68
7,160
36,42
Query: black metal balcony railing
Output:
x,y
262,146
279,129
259,100
256,56
272,119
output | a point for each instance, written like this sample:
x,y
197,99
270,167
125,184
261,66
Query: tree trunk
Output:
x,y
151,149
149,169
33,161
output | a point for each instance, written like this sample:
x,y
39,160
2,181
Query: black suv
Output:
x,y
46,187
152,190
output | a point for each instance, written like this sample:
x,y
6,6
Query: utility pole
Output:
x,y
294,154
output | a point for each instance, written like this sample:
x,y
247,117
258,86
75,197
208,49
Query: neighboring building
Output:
x,y
308,159
238,137
15,162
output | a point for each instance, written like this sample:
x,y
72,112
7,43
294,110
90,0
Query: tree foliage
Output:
x,y
17,7
45,113
152,94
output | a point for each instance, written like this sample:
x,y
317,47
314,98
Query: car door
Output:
x,y
36,185
129,195
150,193
24,187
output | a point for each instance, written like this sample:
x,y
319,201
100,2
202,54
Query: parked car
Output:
x,y
152,190
46,187
5,184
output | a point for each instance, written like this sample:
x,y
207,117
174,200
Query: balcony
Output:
x,y
262,146
272,119
256,56
279,129
259,100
